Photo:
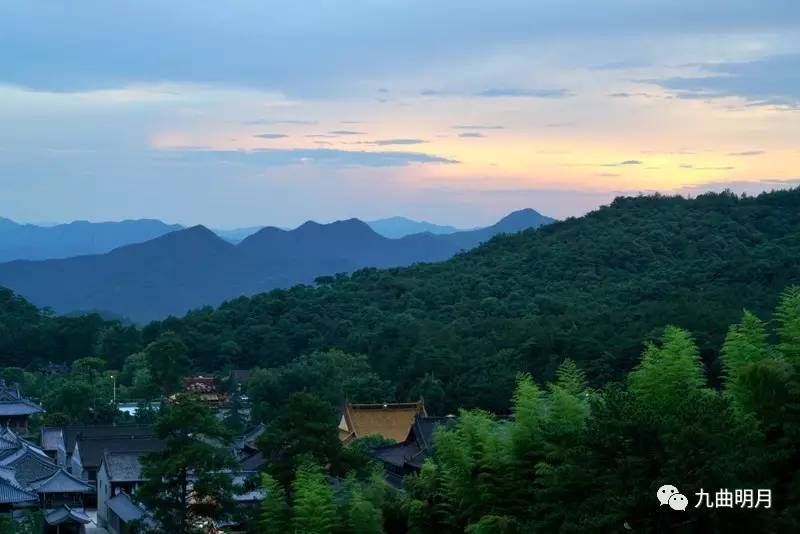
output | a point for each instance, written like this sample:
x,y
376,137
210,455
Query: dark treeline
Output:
x,y
592,289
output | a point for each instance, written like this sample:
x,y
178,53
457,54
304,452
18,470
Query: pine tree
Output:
x,y
364,517
787,317
274,514
314,509
667,373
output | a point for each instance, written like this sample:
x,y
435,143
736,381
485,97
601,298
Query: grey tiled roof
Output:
x,y
11,493
124,466
18,407
29,465
60,482
10,490
92,449
66,514
71,433
125,508
52,437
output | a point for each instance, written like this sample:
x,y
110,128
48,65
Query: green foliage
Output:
x,y
31,522
332,376
313,506
669,372
187,481
306,429
593,289
167,361
274,513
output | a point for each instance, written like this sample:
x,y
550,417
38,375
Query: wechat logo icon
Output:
x,y
669,495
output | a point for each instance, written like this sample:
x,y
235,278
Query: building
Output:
x,y
245,449
14,409
204,387
89,451
31,478
406,457
121,511
389,421
120,474
59,442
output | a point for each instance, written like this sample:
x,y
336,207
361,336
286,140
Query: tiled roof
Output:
x,y
11,493
125,508
9,392
52,437
60,482
18,407
391,421
30,465
92,449
72,432
253,462
66,514
124,466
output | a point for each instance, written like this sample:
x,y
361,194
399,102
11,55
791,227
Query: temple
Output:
x,y
389,421
30,478
15,410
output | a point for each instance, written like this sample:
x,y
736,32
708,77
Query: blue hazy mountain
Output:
x,y
32,242
236,235
396,227
193,267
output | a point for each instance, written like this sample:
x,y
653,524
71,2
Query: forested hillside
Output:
x,y
592,289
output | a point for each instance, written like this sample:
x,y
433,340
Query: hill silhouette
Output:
x,y
194,267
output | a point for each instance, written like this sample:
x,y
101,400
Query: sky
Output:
x,y
275,112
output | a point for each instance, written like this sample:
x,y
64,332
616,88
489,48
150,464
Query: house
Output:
x,y
389,421
245,449
89,450
205,388
121,511
406,457
30,478
59,442
120,473
14,409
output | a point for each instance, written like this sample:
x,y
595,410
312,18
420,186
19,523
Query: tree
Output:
x,y
669,372
234,419
187,482
168,361
306,428
313,506
274,514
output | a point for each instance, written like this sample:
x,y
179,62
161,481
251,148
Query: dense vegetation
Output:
x,y
592,289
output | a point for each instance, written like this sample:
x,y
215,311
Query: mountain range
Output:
x,y
396,227
193,267
78,238
32,242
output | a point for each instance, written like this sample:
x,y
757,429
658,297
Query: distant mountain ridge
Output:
x,y
32,242
193,267
397,227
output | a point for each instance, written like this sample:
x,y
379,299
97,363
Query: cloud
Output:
x,y
271,136
726,168
389,142
262,122
607,174
631,95
560,125
320,156
621,163
477,127
500,92
346,132
772,81
471,134
747,153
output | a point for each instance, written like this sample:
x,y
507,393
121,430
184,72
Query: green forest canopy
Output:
x,y
592,289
